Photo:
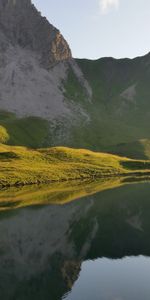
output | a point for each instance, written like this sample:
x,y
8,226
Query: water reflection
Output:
x,y
121,279
44,250
60,193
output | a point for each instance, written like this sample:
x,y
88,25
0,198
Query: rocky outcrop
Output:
x,y
27,88
35,63
23,25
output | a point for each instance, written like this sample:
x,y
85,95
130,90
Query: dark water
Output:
x,y
97,247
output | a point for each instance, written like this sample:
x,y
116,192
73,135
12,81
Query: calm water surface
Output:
x,y
97,247
127,278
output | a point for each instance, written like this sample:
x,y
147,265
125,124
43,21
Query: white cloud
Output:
x,y
106,5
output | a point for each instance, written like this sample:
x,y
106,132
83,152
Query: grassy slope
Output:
x,y
139,149
35,132
20,165
115,120
30,131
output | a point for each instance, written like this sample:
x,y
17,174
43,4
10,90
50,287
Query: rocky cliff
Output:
x,y
23,25
35,63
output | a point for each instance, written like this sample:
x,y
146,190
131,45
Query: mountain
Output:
x,y
34,62
48,98
22,25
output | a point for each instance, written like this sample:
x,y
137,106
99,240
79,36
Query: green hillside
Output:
x,y
139,149
29,131
119,112
115,120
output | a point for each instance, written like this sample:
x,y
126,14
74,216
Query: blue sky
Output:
x,y
98,28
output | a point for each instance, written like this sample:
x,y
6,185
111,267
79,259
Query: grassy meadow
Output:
x,y
25,166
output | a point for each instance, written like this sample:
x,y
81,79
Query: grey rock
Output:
x,y
23,25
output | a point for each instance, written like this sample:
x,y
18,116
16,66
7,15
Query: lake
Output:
x,y
77,241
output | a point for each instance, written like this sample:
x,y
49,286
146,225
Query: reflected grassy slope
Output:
x,y
59,193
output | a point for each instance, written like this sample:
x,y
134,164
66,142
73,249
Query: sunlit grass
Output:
x,y
23,166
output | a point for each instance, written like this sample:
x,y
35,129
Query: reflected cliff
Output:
x,y
42,248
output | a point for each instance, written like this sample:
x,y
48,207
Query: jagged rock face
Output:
x,y
23,25
34,62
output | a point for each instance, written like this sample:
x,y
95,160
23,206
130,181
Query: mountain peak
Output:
x,y
7,4
24,26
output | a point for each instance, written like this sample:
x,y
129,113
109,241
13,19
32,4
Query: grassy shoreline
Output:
x,y
137,175
23,166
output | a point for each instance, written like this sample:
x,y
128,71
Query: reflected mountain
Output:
x,y
42,247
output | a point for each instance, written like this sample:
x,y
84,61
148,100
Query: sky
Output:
x,y
100,28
